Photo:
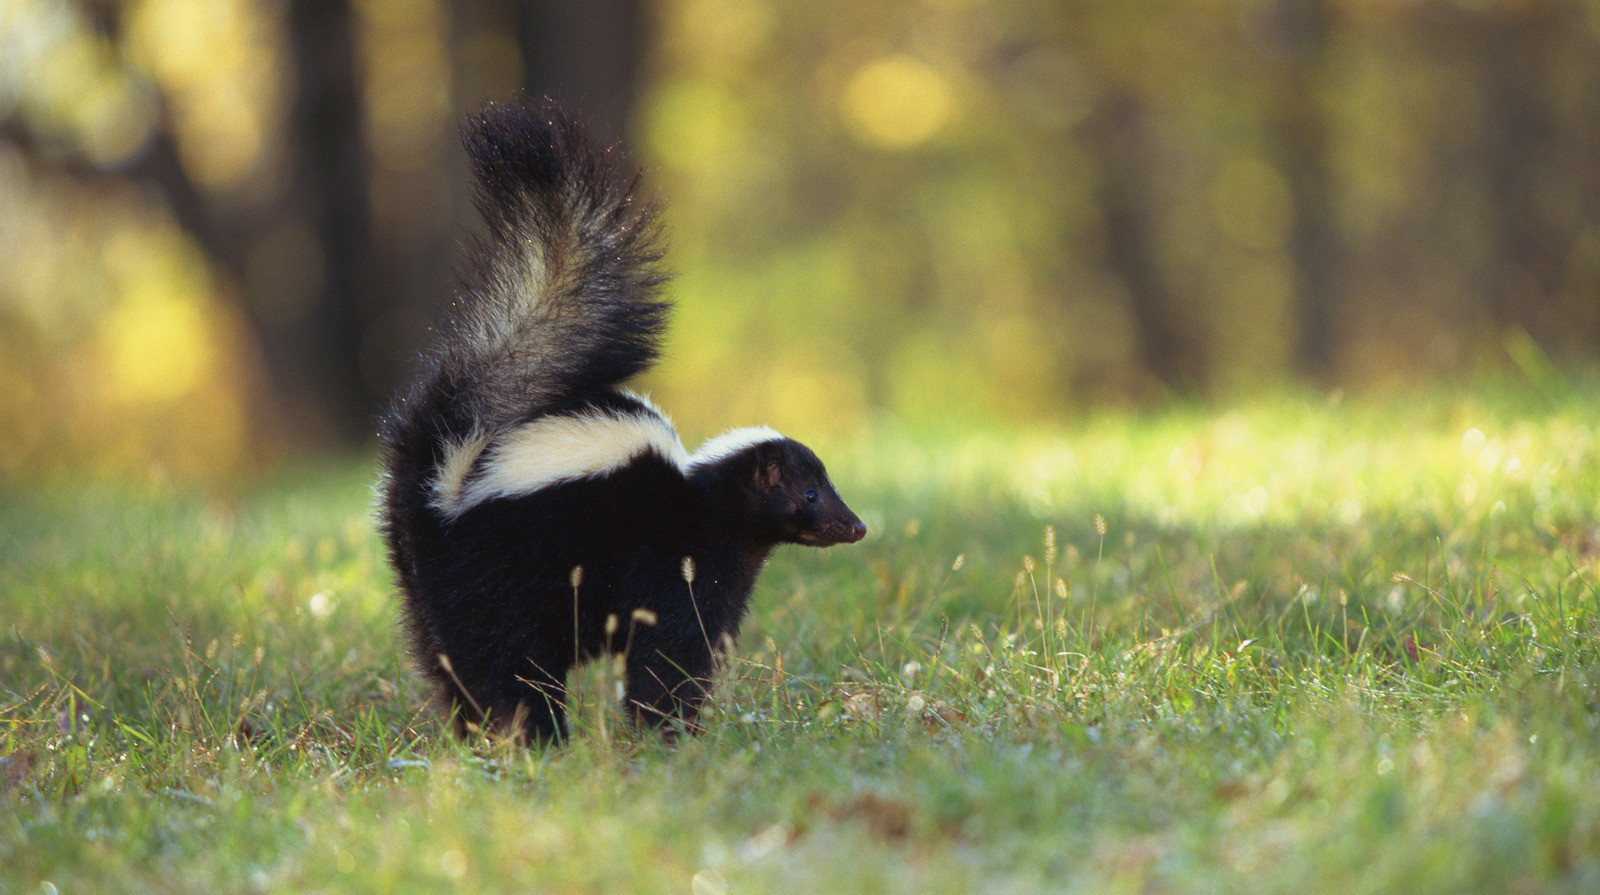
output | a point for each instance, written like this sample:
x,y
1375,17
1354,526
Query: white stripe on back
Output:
x,y
732,442
551,450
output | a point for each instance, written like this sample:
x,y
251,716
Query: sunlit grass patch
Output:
x,y
1297,644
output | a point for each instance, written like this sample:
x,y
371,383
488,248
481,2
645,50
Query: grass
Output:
x,y
1299,645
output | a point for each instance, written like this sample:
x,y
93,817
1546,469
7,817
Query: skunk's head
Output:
x,y
785,487
796,498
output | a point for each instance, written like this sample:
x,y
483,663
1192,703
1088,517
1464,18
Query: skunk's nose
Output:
x,y
856,532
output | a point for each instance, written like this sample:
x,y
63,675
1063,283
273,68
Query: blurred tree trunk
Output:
x,y
1301,35
314,357
1119,137
587,55
1517,55
333,359
311,357
336,363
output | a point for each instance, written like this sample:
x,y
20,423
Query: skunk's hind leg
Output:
x,y
528,702
668,681
537,699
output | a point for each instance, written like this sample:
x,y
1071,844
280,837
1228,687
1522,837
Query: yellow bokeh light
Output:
x,y
219,64
157,348
690,121
897,102
408,97
118,119
716,35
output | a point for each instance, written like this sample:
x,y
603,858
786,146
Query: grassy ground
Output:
x,y
1302,645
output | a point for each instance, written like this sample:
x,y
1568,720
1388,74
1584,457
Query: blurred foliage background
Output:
x,y
225,224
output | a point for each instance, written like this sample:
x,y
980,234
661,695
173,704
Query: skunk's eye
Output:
x,y
811,496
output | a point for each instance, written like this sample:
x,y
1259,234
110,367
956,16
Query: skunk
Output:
x,y
537,515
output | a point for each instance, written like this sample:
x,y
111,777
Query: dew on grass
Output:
x,y
454,863
765,842
1348,510
320,604
708,882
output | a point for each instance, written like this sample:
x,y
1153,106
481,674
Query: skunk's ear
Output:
x,y
769,465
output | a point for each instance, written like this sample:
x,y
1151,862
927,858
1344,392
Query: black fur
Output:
x,y
496,614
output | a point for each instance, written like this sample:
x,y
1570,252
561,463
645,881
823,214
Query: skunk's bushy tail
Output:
x,y
561,295
560,300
